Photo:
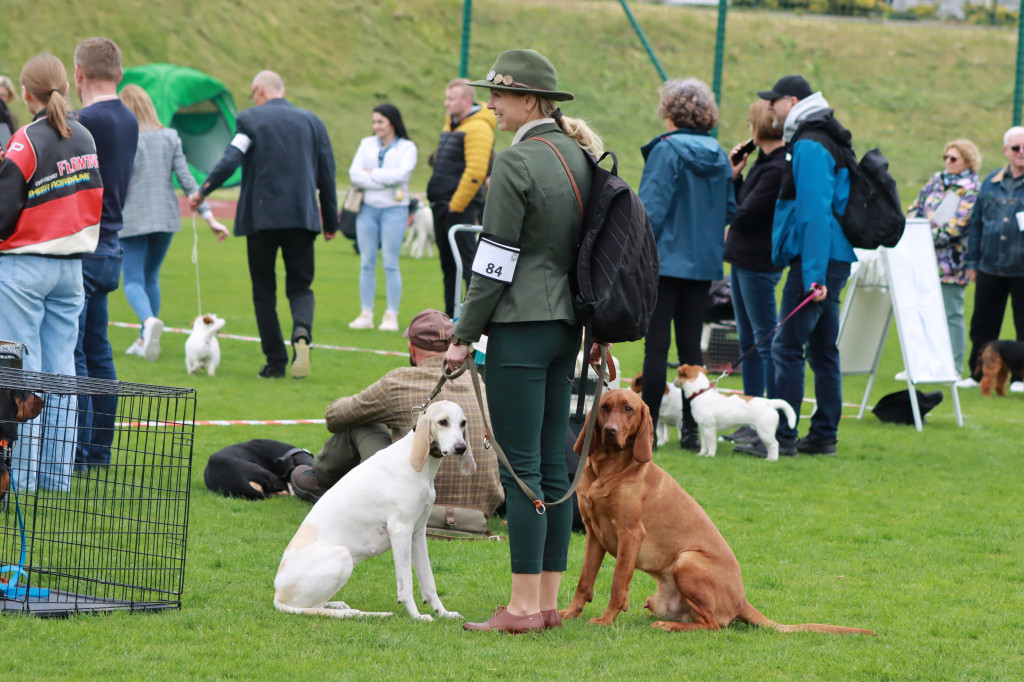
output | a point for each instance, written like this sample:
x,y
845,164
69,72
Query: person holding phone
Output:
x,y
748,250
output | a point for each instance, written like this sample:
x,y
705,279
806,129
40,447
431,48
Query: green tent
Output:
x,y
196,105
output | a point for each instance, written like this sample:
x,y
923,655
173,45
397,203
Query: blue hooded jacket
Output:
x,y
687,190
813,192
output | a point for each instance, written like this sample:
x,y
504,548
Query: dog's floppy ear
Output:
x,y
421,442
643,443
595,440
29,405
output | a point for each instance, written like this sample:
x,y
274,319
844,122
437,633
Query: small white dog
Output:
x,y
713,411
671,412
382,504
202,348
419,238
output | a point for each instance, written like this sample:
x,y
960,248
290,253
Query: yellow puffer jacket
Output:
x,y
462,159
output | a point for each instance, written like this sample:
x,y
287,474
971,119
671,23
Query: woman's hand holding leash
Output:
x,y
455,356
818,292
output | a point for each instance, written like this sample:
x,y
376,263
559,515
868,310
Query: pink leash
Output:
x,y
732,366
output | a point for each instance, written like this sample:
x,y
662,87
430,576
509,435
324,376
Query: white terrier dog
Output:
x,y
671,412
713,411
202,348
419,238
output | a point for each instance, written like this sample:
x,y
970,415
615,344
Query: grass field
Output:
x,y
914,535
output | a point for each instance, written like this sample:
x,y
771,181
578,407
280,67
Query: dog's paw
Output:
x,y
571,613
449,614
425,617
603,621
663,625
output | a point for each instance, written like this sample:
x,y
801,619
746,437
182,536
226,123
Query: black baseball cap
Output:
x,y
788,86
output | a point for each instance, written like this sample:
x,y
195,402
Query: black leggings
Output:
x,y
680,301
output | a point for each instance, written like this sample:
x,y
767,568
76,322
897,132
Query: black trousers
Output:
x,y
296,246
990,294
681,304
466,242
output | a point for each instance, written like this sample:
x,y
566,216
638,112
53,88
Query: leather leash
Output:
x,y
489,441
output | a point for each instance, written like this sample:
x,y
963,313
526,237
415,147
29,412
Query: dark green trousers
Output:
x,y
344,450
528,393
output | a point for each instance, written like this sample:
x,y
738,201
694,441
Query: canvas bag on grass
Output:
x,y
349,210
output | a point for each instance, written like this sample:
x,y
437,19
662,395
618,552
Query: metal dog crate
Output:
x,y
720,345
116,539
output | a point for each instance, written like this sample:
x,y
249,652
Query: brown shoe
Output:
x,y
504,621
552,619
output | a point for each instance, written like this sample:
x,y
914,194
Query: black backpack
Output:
x,y
874,215
615,285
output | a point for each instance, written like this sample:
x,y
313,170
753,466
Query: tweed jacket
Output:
x,y
151,205
391,401
531,202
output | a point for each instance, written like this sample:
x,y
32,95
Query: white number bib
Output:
x,y
496,258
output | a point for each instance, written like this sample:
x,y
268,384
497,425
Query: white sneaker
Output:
x,y
969,382
901,376
152,328
364,321
135,348
1017,387
389,323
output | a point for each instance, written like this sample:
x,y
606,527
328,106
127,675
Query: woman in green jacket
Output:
x,y
520,296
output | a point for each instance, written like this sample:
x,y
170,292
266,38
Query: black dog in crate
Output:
x,y
15,406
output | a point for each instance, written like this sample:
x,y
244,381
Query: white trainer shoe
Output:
x,y
901,376
389,323
969,382
152,328
1017,387
364,321
135,348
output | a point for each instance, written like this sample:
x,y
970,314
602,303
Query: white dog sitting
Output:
x,y
202,348
671,411
713,411
419,238
381,504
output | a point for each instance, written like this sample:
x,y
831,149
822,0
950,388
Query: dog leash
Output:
x,y
732,365
195,260
9,589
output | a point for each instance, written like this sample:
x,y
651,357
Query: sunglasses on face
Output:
x,y
950,157
1015,148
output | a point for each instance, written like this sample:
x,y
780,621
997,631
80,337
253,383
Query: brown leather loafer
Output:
x,y
552,619
503,621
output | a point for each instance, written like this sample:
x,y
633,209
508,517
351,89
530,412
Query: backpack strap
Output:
x,y
575,189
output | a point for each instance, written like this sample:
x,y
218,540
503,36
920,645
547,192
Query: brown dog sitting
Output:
x,y
998,360
636,512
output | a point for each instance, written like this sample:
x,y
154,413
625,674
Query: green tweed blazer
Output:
x,y
530,201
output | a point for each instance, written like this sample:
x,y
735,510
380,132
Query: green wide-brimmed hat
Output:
x,y
527,72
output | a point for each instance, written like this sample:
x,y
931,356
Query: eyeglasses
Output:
x,y
950,157
252,93
1015,148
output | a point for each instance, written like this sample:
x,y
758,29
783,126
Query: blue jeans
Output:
x,y
384,229
813,333
101,274
753,300
143,256
41,299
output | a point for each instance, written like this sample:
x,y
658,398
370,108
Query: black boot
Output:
x,y
689,437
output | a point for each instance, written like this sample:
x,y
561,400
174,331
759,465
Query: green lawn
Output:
x,y
916,536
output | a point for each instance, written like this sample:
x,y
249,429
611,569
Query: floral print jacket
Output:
x,y
951,238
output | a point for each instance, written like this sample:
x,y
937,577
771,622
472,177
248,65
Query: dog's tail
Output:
x,y
786,409
749,614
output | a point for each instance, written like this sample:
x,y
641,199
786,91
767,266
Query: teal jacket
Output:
x,y
531,202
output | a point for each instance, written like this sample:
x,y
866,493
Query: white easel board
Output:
x,y
901,283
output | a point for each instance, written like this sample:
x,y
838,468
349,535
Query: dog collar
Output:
x,y
703,390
